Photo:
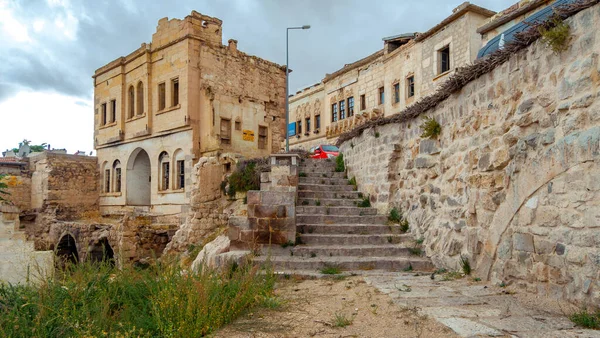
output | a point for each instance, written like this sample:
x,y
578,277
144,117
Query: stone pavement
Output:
x,y
478,309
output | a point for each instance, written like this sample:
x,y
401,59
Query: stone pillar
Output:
x,y
272,210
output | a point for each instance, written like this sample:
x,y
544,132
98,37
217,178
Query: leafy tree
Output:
x,y
34,148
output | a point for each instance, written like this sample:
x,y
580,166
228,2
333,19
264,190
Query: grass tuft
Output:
x,y
365,203
339,163
465,265
431,128
331,270
96,300
340,320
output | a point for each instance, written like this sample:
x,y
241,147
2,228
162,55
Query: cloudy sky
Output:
x,y
49,49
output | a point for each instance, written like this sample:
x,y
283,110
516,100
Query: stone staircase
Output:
x,y
333,231
19,262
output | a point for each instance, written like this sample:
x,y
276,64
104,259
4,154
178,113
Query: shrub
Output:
x,y
302,175
365,203
377,134
555,34
352,181
339,163
465,265
431,128
246,176
586,319
318,203
162,301
404,226
395,216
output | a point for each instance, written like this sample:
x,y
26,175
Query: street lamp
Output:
x,y
287,87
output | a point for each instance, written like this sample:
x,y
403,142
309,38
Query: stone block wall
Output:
x,y
271,210
510,183
18,179
65,181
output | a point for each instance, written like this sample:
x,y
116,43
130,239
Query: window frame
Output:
x,y
162,96
350,106
263,137
227,139
410,86
442,62
131,106
397,92
342,105
107,180
381,95
180,167
307,124
104,116
363,102
113,110
317,122
334,112
175,92
140,98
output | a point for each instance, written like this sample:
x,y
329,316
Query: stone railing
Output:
x,y
347,124
272,209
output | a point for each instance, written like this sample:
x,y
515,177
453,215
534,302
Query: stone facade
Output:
x,y
18,179
181,97
511,181
407,68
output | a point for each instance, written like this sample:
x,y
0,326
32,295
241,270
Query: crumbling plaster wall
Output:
x,y
18,179
511,182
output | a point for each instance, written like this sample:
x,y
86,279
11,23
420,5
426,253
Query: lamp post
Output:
x,y
287,86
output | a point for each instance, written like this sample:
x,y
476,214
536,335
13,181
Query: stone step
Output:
x,y
325,187
329,194
323,180
348,229
338,219
347,263
324,174
345,239
389,250
330,210
328,202
326,165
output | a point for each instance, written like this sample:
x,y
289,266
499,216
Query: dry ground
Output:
x,y
309,308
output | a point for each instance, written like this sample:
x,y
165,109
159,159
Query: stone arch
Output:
x,y
164,171
140,98
102,251
66,251
138,178
117,176
526,180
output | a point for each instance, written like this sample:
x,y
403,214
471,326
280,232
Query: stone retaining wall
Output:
x,y
512,181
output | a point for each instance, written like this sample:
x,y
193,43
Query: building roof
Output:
x,y
511,13
402,36
353,65
11,161
457,13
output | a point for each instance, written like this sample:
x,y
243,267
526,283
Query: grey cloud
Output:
x,y
342,32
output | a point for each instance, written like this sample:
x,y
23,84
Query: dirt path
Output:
x,y
310,306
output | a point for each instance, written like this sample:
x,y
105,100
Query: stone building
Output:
x,y
168,103
408,67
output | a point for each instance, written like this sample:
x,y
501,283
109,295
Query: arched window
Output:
x,y
105,177
140,98
117,176
164,169
131,111
179,172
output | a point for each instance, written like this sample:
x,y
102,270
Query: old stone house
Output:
x,y
176,99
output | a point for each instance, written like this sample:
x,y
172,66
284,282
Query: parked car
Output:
x,y
324,151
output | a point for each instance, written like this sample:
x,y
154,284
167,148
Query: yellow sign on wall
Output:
x,y
248,135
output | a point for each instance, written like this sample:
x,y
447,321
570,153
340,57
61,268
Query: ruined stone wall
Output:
x,y
208,208
69,182
18,179
511,182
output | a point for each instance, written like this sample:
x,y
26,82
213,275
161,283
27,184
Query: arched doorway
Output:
x,y
102,252
138,178
66,251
